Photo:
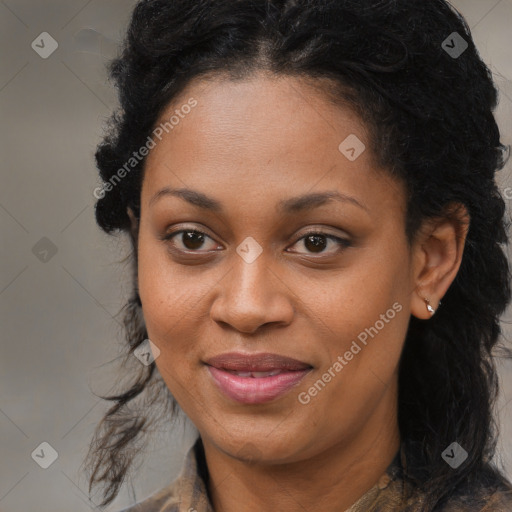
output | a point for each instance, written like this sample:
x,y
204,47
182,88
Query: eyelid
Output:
x,y
320,231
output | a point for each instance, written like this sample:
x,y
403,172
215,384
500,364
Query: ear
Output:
x,y
134,227
437,253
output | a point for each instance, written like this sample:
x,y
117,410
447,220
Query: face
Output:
x,y
232,266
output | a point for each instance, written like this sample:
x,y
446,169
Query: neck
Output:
x,y
331,480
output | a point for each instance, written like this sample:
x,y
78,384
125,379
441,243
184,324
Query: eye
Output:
x,y
189,240
316,242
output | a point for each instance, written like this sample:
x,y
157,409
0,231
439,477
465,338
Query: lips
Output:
x,y
255,363
255,378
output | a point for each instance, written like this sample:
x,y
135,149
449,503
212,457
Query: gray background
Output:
x,y
60,333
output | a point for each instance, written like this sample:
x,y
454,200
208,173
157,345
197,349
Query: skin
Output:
x,y
250,144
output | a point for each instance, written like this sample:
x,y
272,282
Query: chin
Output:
x,y
264,449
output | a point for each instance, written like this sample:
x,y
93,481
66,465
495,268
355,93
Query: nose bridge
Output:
x,y
252,273
251,295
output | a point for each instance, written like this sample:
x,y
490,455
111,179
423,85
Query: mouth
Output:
x,y
255,375
255,378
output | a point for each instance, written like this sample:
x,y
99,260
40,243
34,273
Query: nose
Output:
x,y
252,295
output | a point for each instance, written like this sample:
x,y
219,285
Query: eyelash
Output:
x,y
341,242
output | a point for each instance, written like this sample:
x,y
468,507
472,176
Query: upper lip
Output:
x,y
262,362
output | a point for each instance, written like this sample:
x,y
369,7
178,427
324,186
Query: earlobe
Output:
x,y
429,306
439,251
423,307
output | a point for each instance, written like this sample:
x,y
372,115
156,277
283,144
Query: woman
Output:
x,y
303,183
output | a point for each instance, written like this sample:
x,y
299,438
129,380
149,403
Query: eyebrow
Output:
x,y
291,205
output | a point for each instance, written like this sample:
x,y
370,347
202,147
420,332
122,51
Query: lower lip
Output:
x,y
252,390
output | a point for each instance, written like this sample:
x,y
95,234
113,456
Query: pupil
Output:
x,y
192,240
314,239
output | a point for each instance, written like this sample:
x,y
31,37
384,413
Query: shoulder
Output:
x,y
491,493
163,500
188,492
497,501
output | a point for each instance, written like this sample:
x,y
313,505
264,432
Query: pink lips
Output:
x,y
255,378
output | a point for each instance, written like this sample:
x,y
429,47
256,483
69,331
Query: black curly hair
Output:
x,y
431,123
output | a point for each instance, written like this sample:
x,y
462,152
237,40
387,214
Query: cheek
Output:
x,y
367,318
358,295
167,307
365,311
165,299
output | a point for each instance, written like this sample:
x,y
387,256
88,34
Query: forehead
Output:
x,y
263,136
276,113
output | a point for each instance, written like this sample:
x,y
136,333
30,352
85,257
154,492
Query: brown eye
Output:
x,y
191,240
317,242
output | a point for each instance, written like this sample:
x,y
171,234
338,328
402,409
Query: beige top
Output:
x,y
188,493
